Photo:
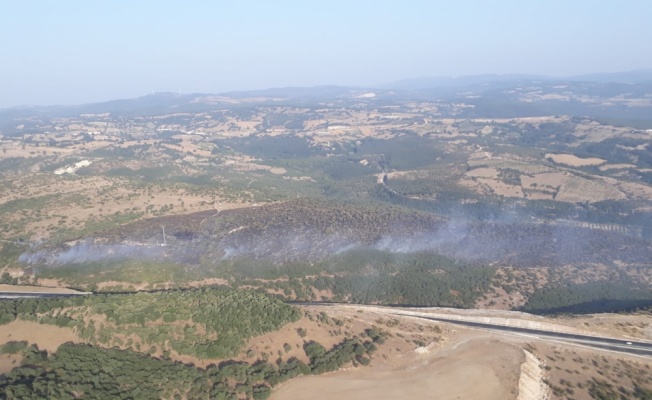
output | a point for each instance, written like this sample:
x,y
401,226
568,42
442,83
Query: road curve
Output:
x,y
638,348
618,345
626,346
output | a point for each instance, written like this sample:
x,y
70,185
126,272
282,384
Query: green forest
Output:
x,y
590,297
91,372
210,322
369,276
205,323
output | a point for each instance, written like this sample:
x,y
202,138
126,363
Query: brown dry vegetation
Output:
x,y
77,204
559,185
511,287
419,358
582,374
637,325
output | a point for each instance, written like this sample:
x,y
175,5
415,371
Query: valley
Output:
x,y
207,233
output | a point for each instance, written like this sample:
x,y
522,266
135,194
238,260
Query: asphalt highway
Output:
x,y
618,345
627,346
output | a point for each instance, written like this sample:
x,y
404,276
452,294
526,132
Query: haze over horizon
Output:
x,y
77,52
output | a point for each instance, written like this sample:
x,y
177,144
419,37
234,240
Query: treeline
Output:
x,y
85,371
375,276
415,285
590,297
350,350
206,322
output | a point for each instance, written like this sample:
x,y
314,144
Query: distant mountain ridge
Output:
x,y
628,77
635,76
489,94
457,81
292,92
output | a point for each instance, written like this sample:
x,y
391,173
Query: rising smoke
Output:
x,y
497,240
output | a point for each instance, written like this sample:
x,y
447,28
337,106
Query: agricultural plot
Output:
x,y
575,189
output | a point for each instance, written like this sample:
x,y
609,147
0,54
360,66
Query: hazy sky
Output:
x,y
69,51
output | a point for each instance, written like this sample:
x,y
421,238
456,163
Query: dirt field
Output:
x,y
574,161
442,367
493,368
47,337
499,366
561,186
9,362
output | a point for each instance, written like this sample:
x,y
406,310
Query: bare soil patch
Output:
x,y
483,173
501,188
447,374
615,166
47,337
9,362
574,161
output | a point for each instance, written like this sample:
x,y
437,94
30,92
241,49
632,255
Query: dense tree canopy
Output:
x,y
225,318
89,372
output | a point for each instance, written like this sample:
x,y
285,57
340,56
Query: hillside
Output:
x,y
328,194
